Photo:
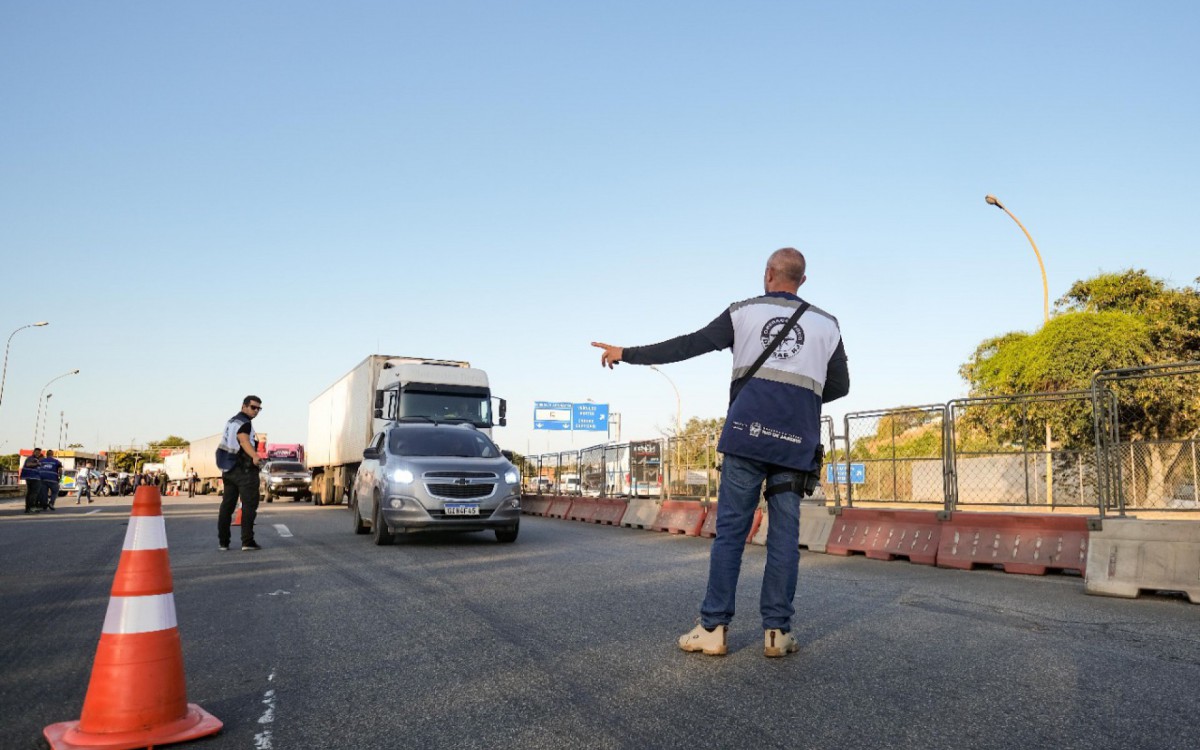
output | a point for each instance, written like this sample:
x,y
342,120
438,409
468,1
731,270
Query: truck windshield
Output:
x,y
444,407
440,441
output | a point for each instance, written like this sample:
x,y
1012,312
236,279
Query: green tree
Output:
x,y
170,441
11,462
1110,321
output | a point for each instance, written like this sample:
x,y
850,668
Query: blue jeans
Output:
x,y
741,485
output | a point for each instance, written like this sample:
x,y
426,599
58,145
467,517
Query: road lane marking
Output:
x,y
282,529
91,512
262,740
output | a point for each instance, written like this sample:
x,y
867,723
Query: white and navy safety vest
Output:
x,y
776,415
229,448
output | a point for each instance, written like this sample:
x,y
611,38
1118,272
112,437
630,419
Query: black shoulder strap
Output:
x,y
778,340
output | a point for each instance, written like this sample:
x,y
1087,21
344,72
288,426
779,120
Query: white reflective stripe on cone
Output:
x,y
140,614
146,532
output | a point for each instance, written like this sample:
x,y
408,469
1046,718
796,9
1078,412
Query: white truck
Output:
x,y
383,388
201,456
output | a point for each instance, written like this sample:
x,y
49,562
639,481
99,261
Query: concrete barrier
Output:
x,y
640,514
609,511
535,505
816,524
758,530
709,528
680,517
582,509
1026,543
886,534
560,507
1128,556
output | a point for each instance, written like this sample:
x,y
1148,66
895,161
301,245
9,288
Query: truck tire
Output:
x,y
379,530
359,526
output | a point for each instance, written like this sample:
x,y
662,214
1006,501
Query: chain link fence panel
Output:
x,y
896,455
1023,450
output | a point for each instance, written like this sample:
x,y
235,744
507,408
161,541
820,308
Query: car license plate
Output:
x,y
289,489
462,509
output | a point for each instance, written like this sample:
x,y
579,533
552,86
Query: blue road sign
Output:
x,y
590,417
858,473
552,415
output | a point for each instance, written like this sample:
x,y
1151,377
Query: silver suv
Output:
x,y
425,476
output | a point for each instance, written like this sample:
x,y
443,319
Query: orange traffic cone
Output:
x,y
137,696
237,515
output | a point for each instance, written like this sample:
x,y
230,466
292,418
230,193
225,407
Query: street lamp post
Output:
x,y
4,374
38,423
678,429
993,201
678,411
47,385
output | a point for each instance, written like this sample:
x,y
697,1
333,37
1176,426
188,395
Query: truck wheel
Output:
x,y
508,536
359,526
379,530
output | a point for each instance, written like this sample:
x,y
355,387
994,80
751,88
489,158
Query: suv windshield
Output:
x,y
283,467
440,441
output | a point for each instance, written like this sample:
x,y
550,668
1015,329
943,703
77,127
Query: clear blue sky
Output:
x,y
210,199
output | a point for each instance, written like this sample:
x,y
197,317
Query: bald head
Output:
x,y
785,271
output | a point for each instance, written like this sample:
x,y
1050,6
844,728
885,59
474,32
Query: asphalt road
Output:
x,y
566,639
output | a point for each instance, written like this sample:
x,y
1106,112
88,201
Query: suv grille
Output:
x,y
460,491
460,475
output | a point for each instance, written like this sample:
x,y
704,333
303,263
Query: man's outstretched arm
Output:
x,y
715,336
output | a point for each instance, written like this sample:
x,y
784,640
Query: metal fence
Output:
x,y
1029,450
1147,426
1131,441
896,455
680,468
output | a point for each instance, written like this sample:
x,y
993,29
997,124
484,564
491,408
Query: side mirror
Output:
x,y
503,422
378,399
379,413
371,454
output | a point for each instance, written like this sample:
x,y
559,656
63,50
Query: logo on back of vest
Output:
x,y
755,429
792,340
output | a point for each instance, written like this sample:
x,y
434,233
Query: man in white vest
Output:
x,y
237,458
782,374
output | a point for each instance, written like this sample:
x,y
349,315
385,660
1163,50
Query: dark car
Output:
x,y
421,476
285,479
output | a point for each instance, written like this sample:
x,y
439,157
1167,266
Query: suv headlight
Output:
x,y
402,476
512,476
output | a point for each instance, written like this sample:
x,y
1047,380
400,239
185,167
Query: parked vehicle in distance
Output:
x,y
344,418
417,476
284,479
568,484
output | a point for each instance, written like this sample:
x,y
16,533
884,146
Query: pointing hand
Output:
x,y
611,356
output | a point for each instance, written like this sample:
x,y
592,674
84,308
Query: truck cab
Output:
x,y
437,390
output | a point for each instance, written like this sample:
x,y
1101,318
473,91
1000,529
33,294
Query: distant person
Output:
x,y
52,472
191,482
83,478
238,461
31,472
162,482
788,359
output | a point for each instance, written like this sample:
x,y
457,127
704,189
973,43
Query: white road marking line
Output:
x,y
262,740
277,592
91,512
282,529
